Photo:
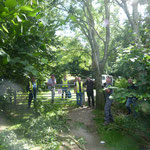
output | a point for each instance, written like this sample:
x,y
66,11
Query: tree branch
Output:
x,y
120,4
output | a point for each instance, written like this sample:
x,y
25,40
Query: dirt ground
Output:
x,y
4,124
82,125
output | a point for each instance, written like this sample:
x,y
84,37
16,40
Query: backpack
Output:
x,y
68,94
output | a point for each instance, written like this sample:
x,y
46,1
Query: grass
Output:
x,y
117,136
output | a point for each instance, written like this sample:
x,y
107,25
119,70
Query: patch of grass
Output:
x,y
115,137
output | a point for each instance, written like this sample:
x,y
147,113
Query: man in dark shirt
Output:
x,y
90,86
130,100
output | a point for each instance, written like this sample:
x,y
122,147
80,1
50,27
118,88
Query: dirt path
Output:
x,y
82,125
4,124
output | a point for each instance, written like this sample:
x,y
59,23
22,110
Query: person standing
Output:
x,y
107,109
90,93
35,88
131,99
79,91
51,86
64,87
32,89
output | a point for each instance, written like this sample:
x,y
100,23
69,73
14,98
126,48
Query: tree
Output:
x,y
134,19
86,18
28,38
73,57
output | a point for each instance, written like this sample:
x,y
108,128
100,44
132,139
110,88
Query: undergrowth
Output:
x,y
126,133
41,126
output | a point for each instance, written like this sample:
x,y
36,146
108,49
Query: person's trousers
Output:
x,y
64,90
90,95
53,94
32,95
79,99
30,99
130,100
107,110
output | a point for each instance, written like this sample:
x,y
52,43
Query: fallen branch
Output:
x,y
73,139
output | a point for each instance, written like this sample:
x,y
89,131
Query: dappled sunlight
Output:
x,y
46,47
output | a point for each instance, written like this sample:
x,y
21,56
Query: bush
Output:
x,y
121,83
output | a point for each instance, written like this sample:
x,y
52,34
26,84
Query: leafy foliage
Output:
x,y
133,62
44,129
23,48
9,141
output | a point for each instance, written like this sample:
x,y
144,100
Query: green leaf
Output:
x,y
2,52
26,8
32,14
25,16
1,8
40,24
36,54
24,62
44,60
31,69
21,2
73,18
14,22
15,60
10,3
5,28
6,59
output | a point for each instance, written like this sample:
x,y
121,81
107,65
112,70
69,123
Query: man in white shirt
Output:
x,y
51,86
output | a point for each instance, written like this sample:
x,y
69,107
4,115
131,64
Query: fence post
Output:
x,y
15,101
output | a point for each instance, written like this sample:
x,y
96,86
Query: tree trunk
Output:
x,y
89,30
99,93
136,31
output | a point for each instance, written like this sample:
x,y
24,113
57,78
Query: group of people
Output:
x,y
79,90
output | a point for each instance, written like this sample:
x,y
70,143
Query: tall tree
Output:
x,y
86,17
133,18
